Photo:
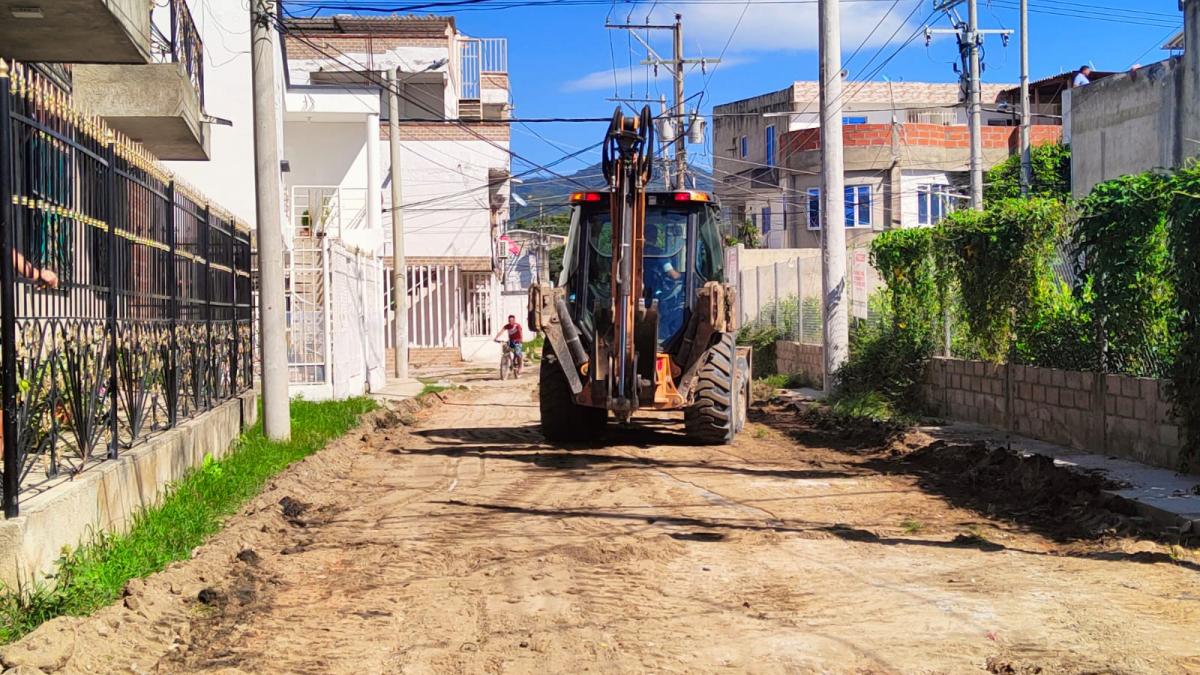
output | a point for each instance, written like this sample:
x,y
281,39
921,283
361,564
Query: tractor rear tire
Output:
x,y
564,420
717,413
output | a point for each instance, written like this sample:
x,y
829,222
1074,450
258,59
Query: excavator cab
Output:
x,y
641,316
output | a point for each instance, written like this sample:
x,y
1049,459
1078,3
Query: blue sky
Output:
x,y
561,58
561,64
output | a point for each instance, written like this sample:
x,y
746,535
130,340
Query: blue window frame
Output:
x,y
770,145
744,146
858,206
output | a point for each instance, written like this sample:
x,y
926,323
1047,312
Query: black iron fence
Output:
x,y
126,302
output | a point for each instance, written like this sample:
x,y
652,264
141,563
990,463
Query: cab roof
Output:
x,y
669,195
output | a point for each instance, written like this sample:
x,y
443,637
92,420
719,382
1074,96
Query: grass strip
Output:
x,y
93,575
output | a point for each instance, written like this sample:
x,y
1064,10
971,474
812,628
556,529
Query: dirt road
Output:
x,y
462,544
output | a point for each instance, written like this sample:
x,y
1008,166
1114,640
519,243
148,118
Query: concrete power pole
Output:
x,y
277,423
399,271
970,38
1026,120
975,117
680,109
833,239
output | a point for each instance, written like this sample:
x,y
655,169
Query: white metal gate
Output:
x,y
435,306
334,297
307,329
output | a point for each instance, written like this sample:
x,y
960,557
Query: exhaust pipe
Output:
x,y
570,332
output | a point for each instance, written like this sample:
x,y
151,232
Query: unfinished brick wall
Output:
x,y
1117,415
795,358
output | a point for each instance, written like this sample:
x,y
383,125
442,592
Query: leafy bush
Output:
x,y
1122,245
888,359
1184,212
761,337
1001,260
1051,164
1058,331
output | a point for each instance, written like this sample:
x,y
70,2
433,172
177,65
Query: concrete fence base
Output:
x,y
1116,415
108,495
796,358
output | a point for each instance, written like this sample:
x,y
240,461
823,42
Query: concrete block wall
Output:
x,y
1117,415
795,358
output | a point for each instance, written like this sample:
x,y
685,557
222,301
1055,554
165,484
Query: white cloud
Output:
x,y
774,26
767,26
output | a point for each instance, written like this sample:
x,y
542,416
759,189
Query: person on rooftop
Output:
x,y
1083,77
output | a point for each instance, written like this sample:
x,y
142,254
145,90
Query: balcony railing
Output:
x,y
327,210
175,39
478,56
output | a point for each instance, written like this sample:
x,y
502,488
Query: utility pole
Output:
x,y
399,270
277,423
680,108
1026,120
833,231
970,38
676,63
976,105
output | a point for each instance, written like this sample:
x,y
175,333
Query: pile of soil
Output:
x,y
1068,503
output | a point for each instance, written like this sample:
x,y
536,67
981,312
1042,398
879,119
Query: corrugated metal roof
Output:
x,y
1175,43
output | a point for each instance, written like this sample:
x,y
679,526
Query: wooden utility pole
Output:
x,y
680,108
833,231
277,423
676,63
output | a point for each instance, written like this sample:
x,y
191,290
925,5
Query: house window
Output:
x,y
766,219
770,142
745,147
933,203
858,206
854,120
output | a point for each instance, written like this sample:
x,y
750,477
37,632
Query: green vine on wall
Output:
x,y
1001,261
1122,245
1185,244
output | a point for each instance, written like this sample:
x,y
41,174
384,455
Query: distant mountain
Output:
x,y
553,192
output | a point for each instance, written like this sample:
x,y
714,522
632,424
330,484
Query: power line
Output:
x,y
371,76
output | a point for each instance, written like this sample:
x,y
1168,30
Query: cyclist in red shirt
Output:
x,y
515,335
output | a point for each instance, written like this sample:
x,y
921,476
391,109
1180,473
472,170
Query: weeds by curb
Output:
x,y
193,509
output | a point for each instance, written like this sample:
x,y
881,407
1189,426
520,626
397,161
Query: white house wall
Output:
x,y
228,176
331,154
446,183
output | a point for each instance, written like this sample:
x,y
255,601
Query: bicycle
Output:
x,y
510,361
